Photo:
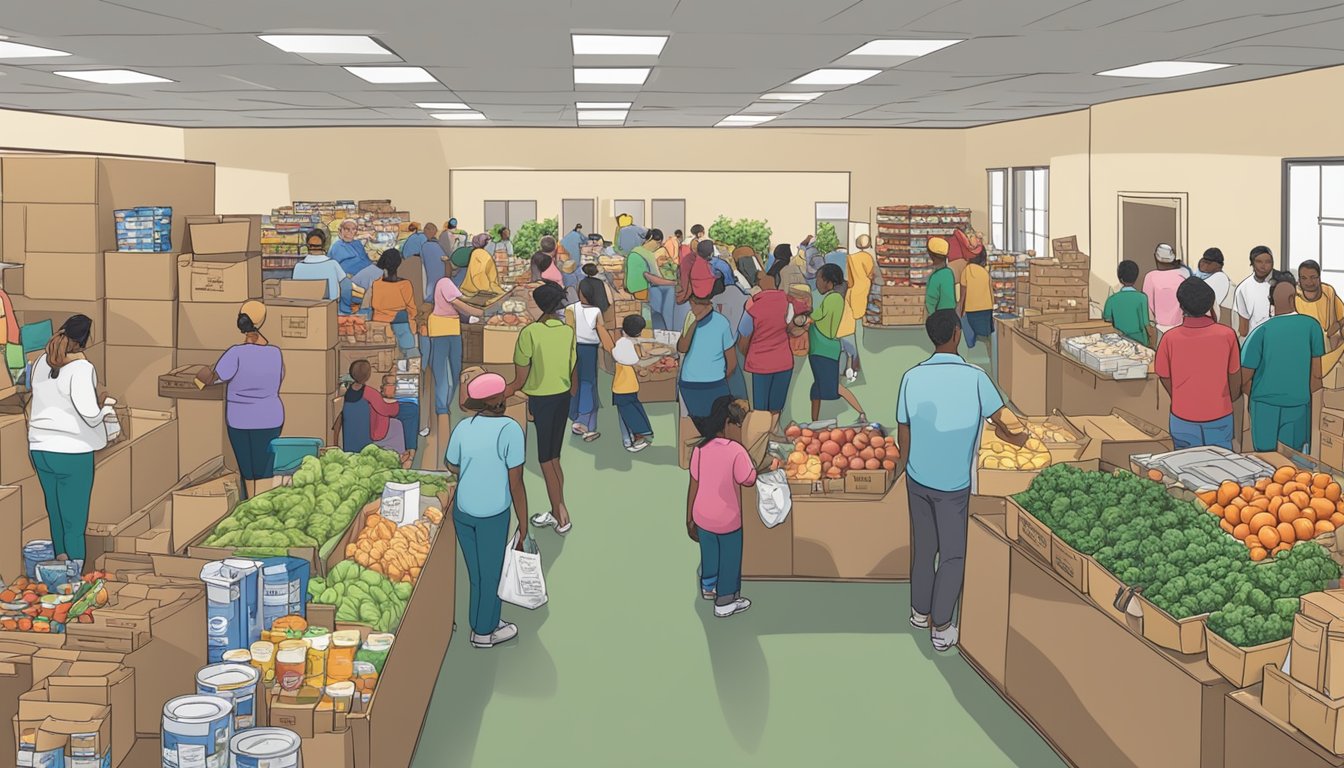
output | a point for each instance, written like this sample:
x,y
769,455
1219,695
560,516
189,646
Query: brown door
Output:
x,y
1145,226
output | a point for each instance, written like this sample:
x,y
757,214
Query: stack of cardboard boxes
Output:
x,y
893,305
304,327
1310,695
1056,288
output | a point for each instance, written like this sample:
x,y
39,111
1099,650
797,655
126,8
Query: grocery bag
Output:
x,y
775,501
522,583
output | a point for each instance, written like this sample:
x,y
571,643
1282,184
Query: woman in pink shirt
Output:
x,y
720,468
1160,286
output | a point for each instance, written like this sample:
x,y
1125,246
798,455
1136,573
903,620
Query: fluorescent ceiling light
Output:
x,y
113,76
610,75
441,105
836,76
602,105
458,116
360,45
618,45
744,120
775,107
602,114
906,48
385,75
1159,69
792,96
21,51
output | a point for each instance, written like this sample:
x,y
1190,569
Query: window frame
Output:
x,y
1286,257
998,229
1019,229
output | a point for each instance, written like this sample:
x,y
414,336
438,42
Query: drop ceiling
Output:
x,y
512,60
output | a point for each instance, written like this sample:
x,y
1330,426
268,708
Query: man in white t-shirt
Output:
x,y
1252,299
1211,271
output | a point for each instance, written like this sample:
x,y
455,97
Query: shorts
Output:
x,y
1274,424
825,378
252,448
769,391
699,396
549,414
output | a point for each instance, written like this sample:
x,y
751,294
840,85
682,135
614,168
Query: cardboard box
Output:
x,y
111,503
132,375
1076,675
34,505
63,228
1331,450
310,372
1274,687
143,276
142,322
16,679
1256,737
198,508
180,384
1332,421
295,324
1165,631
12,279
229,282
311,415
13,231
208,326
1243,667
203,422
985,592
154,467
838,537
308,290
1035,383
64,276
1323,607
214,237
106,684
1309,651
15,462
1052,333
1316,715
11,534
47,727
498,343
36,310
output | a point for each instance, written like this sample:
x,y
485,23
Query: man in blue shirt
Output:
x,y
417,240
318,266
347,251
629,236
434,261
940,412
573,243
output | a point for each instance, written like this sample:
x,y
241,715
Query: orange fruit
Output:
x,y
1258,554
1240,531
1269,536
1262,520
1304,528
1324,526
1287,533
1281,475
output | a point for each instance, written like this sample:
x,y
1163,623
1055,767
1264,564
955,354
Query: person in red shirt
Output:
x,y
763,340
1199,364
695,277
385,417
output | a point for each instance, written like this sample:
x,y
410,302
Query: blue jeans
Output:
x,y
583,406
445,362
634,420
483,540
662,306
401,329
721,564
1189,434
737,382
770,391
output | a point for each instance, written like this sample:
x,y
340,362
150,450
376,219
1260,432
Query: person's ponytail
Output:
x,y
71,337
58,352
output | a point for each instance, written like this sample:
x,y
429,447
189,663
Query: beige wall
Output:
x,y
785,200
411,165
31,130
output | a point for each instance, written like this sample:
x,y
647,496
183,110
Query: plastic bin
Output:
x,y
288,452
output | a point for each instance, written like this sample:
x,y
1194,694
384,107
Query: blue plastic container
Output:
x,y
284,583
34,552
233,606
288,452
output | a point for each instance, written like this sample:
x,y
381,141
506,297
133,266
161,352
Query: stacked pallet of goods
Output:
x,y
379,226
903,233
1056,288
1009,276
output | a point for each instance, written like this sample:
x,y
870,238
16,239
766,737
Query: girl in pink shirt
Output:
x,y
720,468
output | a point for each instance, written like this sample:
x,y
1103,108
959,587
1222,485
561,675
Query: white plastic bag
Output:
x,y
401,503
775,501
522,583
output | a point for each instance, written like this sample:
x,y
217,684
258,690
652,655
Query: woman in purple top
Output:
x,y
253,371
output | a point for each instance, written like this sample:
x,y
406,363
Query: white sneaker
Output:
x,y
566,528
707,594
918,620
424,432
851,376
505,633
737,606
544,520
579,429
946,638
638,446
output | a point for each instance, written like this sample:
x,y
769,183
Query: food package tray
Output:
x,y
1205,467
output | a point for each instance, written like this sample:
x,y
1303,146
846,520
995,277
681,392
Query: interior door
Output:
x,y
521,211
578,211
668,215
633,207
1145,226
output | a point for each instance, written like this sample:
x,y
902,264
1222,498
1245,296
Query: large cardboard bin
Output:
x,y
1253,738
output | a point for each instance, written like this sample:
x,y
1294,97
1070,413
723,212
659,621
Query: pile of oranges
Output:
x,y
1279,511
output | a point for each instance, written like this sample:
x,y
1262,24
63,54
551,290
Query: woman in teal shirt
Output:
x,y
824,345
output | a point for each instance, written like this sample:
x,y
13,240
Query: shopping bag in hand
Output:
x,y
522,583
775,500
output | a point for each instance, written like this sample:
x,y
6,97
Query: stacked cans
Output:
x,y
146,229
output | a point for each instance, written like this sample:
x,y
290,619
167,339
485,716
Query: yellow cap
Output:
x,y
938,245
255,310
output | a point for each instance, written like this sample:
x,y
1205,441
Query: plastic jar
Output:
x,y
34,552
315,674
375,649
342,696
341,655
291,664
263,658
365,680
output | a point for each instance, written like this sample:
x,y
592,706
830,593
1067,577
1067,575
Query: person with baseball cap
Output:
x,y
1160,287
252,372
1211,271
941,290
486,451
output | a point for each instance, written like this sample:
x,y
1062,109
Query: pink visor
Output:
x,y
485,386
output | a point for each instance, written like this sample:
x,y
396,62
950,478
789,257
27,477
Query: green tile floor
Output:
x,y
626,666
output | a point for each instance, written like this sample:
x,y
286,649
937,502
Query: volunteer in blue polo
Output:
x,y
940,414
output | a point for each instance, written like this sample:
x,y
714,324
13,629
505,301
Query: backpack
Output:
x,y
462,256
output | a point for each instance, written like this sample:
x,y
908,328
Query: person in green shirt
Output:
x,y
1127,309
641,269
823,354
544,361
1280,369
941,291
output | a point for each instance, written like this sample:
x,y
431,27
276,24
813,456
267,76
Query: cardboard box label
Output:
x,y
294,327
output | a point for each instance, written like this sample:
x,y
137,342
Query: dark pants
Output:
x,y
633,416
721,564
483,540
937,534
67,487
252,448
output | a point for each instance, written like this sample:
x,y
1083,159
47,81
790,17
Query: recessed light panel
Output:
x,y
1163,69
744,120
113,76
836,77
904,48
602,114
619,45
610,75
389,75
356,45
20,51
441,105
602,105
458,116
791,96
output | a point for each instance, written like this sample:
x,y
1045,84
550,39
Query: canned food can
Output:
x,y
235,682
265,748
196,731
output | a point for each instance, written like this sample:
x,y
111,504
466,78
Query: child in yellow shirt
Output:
x,y
636,431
